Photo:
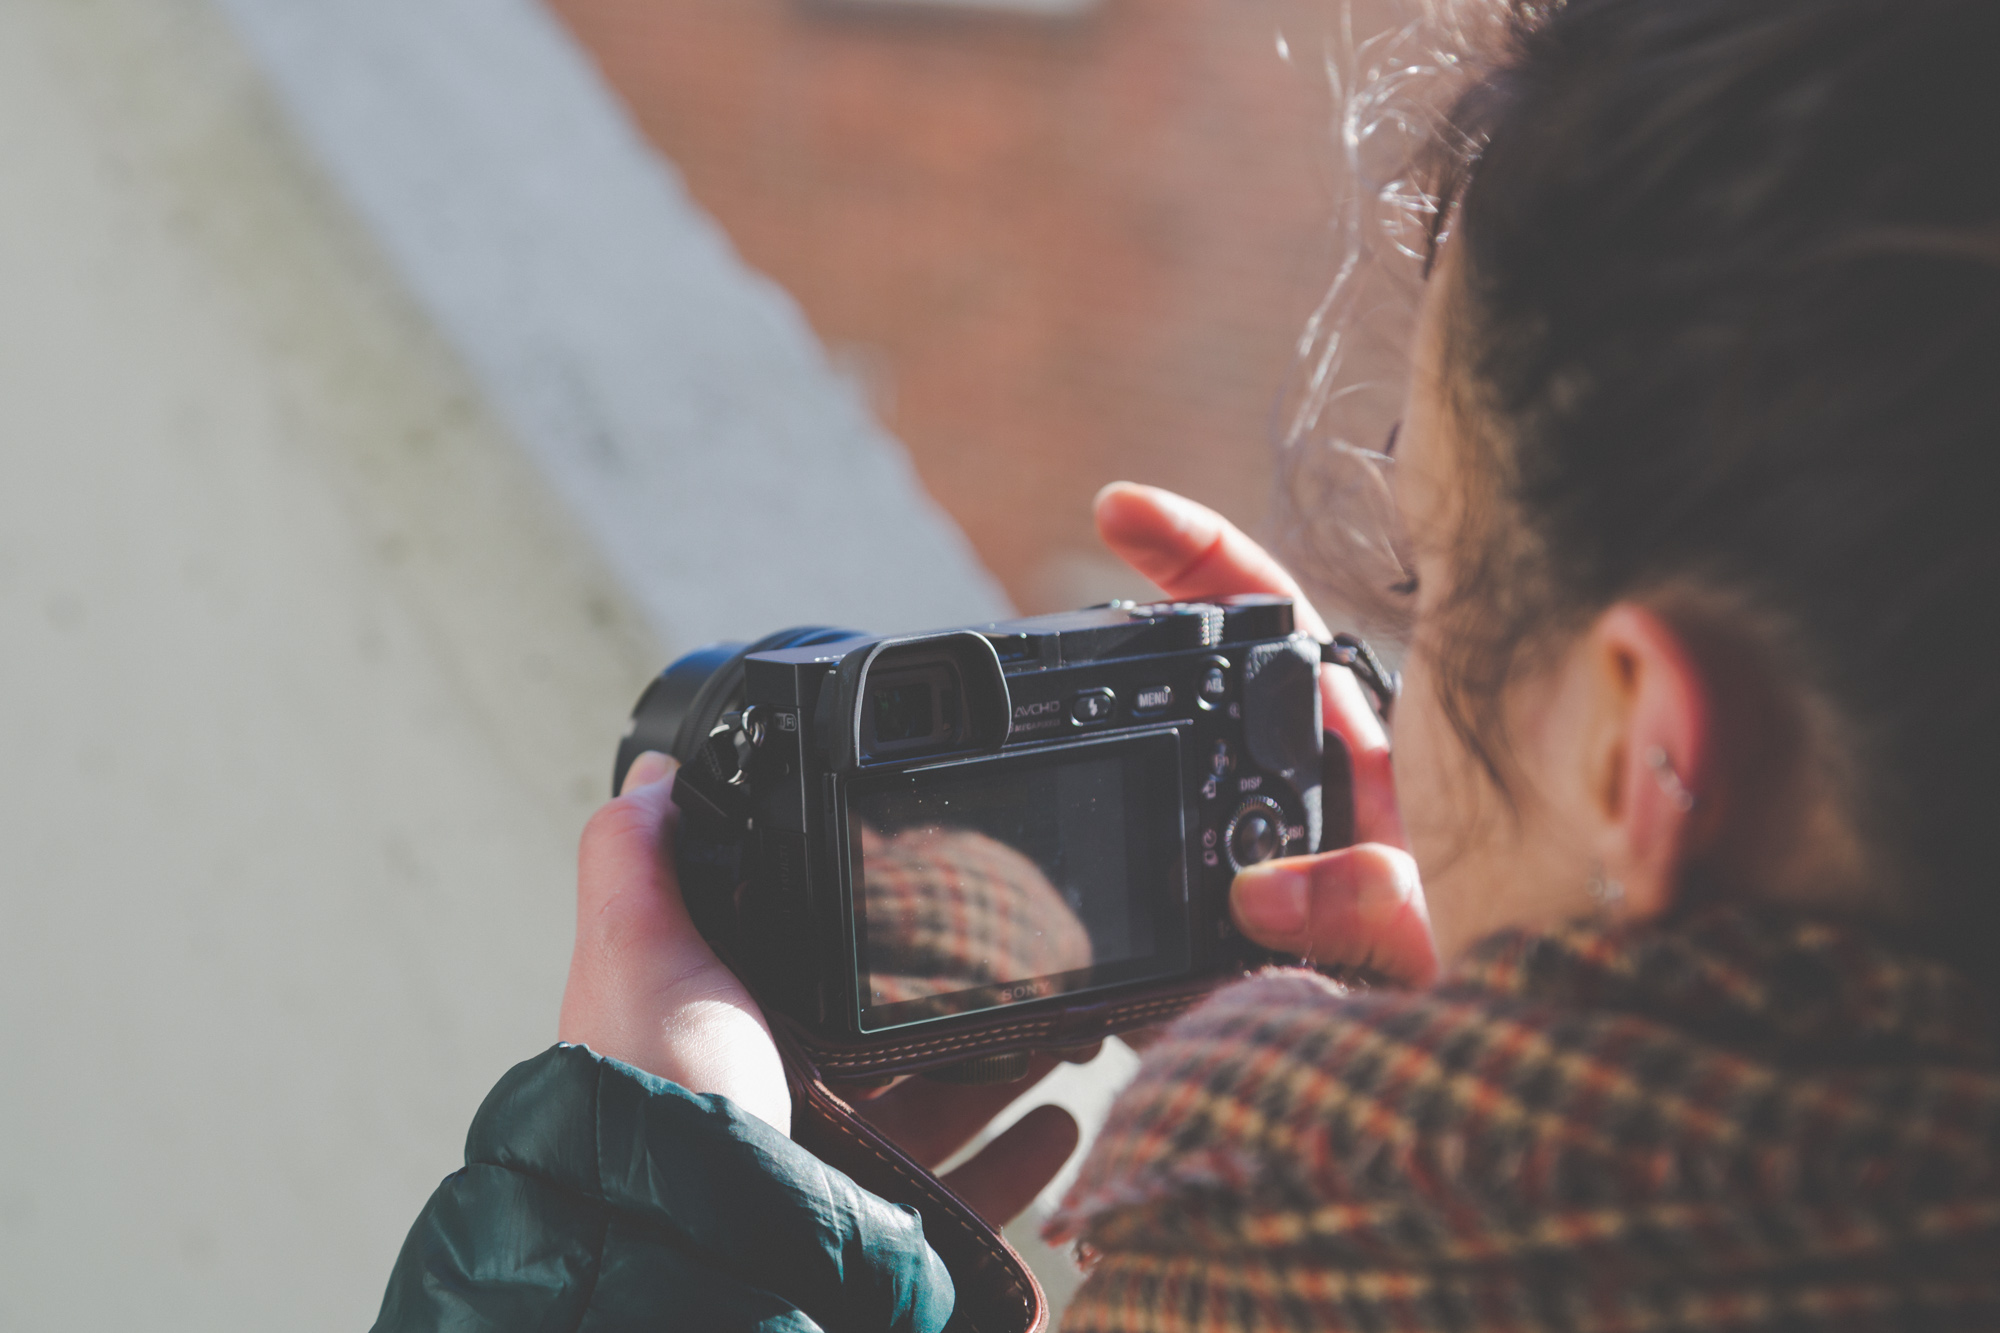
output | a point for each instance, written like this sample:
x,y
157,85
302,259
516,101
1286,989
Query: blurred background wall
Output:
x,y
387,388
1056,252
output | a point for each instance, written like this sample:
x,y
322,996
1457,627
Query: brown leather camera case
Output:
x,y
997,1293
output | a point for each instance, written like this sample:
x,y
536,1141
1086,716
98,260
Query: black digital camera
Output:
x,y
923,847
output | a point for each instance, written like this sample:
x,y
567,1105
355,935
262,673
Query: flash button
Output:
x,y
1092,707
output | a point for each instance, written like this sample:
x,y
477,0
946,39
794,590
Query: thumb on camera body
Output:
x,y
1359,907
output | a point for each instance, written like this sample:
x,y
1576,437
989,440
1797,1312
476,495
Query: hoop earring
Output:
x,y
1670,781
1606,892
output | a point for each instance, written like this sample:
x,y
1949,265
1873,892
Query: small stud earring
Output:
x,y
1670,781
1606,892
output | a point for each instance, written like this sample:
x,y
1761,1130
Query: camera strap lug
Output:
x,y
1351,652
749,725
711,786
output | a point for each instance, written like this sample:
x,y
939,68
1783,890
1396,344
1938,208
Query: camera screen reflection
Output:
x,y
998,884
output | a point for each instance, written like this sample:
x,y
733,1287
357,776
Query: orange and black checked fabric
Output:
x,y
952,909
1739,1122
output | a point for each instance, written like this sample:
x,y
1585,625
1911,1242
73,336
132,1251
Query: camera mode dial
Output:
x,y
1256,832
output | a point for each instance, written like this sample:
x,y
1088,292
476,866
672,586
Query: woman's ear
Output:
x,y
1648,757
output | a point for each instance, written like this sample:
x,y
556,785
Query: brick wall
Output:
x,y
1057,252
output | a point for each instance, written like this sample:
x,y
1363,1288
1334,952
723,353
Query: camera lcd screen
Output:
x,y
1009,879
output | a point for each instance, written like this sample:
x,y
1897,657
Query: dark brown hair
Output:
x,y
1731,290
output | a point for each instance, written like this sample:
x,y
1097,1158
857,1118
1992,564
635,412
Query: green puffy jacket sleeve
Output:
x,y
596,1197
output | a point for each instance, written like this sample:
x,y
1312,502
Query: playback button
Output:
x,y
1092,707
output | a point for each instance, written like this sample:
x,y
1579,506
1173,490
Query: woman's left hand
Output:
x,y
644,987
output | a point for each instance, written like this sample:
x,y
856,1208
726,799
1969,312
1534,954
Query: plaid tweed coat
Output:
x,y
1742,1121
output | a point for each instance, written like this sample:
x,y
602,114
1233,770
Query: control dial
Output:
x,y
1256,832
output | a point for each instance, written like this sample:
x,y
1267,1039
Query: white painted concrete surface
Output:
x,y
308,674
305,688
736,483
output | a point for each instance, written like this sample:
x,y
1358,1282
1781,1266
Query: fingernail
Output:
x,y
647,769
1105,490
1184,512
1270,900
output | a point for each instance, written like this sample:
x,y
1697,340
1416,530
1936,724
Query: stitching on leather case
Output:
x,y
988,1035
831,1060
839,1121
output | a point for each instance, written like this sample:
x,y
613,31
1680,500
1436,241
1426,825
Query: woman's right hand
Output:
x,y
1359,906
